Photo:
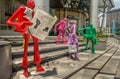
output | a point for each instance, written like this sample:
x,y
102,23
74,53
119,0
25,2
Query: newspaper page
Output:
x,y
42,23
72,49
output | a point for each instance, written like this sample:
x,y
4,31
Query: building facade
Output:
x,y
7,8
71,9
114,15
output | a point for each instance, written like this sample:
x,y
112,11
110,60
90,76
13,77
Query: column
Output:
x,y
93,12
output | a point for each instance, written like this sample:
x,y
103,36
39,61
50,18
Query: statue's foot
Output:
x,y
93,53
85,51
40,68
57,43
26,73
65,43
76,57
70,56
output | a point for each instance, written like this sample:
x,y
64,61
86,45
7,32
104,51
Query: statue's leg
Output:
x,y
93,47
58,38
70,55
86,46
77,44
37,59
25,63
76,54
63,37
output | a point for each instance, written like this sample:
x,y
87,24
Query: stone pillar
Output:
x,y
47,5
2,11
93,12
104,18
43,4
5,60
103,26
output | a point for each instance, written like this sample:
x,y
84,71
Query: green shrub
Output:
x,y
118,32
101,35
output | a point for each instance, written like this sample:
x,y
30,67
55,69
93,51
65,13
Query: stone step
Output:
x,y
20,43
61,67
56,68
84,58
20,37
16,39
9,33
18,51
46,57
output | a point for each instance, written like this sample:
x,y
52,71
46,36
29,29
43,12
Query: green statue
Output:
x,y
90,34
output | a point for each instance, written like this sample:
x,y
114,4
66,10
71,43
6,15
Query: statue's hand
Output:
x,y
28,23
55,30
23,26
70,34
24,23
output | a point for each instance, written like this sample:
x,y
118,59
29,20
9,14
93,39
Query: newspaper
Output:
x,y
72,49
42,23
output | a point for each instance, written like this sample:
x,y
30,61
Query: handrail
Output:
x,y
3,25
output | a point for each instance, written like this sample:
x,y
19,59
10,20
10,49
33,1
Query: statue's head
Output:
x,y
71,22
65,19
91,25
31,4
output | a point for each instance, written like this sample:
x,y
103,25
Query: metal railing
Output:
x,y
5,27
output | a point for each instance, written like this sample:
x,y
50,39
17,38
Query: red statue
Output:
x,y
61,28
21,25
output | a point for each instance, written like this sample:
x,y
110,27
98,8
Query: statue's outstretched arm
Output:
x,y
66,29
56,26
80,30
11,20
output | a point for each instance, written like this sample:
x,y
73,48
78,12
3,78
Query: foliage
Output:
x,y
76,4
118,32
83,5
70,3
101,35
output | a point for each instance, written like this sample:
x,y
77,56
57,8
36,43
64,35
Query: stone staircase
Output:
x,y
59,66
104,65
49,51
55,61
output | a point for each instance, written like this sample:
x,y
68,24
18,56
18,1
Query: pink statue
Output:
x,y
61,28
21,25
